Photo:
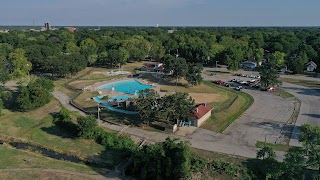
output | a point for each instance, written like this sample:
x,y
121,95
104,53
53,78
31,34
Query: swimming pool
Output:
x,y
126,86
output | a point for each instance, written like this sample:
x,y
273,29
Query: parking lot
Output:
x,y
263,121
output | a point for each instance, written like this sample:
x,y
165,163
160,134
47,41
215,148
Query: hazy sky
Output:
x,y
162,12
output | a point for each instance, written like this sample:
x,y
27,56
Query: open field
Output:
x,y
36,126
283,94
306,83
81,99
227,112
12,158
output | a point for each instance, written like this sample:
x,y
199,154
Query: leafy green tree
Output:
x,y
294,164
194,74
4,95
21,65
71,47
178,67
296,62
92,59
276,59
4,71
118,56
268,167
148,104
88,47
269,77
310,138
87,126
35,95
176,107
166,160
258,54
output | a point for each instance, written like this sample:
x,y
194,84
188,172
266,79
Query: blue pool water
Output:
x,y
126,86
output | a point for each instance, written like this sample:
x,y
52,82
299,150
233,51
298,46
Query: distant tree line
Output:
x,y
64,53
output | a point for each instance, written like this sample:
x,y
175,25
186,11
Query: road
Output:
x,y
309,98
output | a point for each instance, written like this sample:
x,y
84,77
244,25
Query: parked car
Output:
x,y
233,80
213,74
258,77
236,74
228,84
238,88
252,80
243,82
243,75
271,89
219,82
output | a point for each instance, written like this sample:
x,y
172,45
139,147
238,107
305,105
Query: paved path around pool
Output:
x,y
200,138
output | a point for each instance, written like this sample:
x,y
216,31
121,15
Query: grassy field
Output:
x,y
283,94
310,84
229,111
81,99
276,147
12,158
39,175
36,126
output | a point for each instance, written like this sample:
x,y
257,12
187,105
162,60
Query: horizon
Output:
x,y
177,13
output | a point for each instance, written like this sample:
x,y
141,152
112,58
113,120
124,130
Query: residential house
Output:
x,y
248,65
311,66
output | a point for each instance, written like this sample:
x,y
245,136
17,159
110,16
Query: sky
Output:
x,y
162,12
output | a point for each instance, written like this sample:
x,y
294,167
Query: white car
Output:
x,y
258,77
243,82
252,80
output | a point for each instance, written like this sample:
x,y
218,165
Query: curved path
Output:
x,y
309,110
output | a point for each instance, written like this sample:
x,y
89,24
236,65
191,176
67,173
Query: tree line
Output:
x,y
64,53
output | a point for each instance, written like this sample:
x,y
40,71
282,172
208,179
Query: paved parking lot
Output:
x,y
263,121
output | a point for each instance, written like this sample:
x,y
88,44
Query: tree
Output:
x,y
268,167
92,59
4,95
176,107
194,74
269,77
88,47
118,56
21,65
87,126
179,69
258,54
4,71
276,59
294,163
167,160
35,95
148,104
310,138
297,62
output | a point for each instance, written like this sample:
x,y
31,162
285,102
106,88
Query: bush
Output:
x,y
87,127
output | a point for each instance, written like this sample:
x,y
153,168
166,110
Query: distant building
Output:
x,y
47,26
71,29
152,66
311,66
248,65
4,30
171,31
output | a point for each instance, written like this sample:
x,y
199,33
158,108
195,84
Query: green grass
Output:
x,y
228,112
276,147
306,83
284,94
36,126
13,158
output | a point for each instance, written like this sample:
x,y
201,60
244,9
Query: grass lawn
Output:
x,y
36,126
34,175
81,99
12,158
283,94
306,83
229,111
276,147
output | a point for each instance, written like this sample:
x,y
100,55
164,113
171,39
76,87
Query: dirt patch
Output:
x,y
205,97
